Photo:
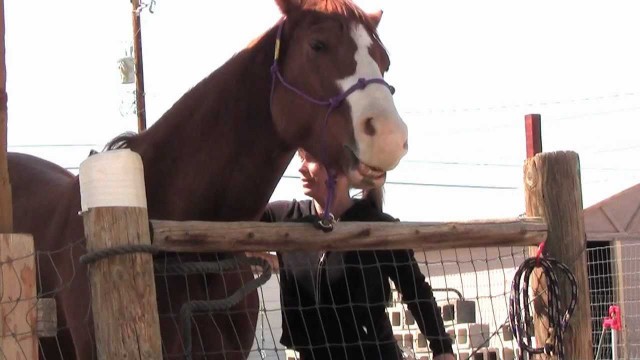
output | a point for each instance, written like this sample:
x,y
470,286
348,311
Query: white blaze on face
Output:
x,y
373,105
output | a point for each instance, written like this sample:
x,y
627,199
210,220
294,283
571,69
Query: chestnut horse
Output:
x,y
217,155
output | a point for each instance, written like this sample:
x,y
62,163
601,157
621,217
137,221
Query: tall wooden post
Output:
x,y
139,71
123,294
554,193
18,338
6,211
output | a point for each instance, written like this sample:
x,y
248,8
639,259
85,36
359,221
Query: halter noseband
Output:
x,y
326,223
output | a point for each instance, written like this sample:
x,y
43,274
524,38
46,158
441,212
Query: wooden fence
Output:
x,y
553,196
553,199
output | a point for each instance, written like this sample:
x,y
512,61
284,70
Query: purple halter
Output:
x,y
333,103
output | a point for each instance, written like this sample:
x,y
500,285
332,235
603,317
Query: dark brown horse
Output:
x,y
218,154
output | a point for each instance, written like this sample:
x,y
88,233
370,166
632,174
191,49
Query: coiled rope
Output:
x,y
522,327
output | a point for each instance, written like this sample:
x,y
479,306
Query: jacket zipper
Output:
x,y
319,275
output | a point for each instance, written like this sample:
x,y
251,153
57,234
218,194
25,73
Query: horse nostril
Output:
x,y
369,129
406,145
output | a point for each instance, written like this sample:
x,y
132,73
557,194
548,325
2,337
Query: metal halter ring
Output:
x,y
326,224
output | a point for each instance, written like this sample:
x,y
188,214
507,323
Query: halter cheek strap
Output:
x,y
332,104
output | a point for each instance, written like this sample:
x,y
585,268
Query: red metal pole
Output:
x,y
534,134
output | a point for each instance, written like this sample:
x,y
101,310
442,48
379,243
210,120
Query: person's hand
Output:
x,y
445,357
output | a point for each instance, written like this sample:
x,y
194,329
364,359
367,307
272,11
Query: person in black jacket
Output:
x,y
333,303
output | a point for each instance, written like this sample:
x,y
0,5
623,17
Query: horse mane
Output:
x,y
347,8
122,141
191,99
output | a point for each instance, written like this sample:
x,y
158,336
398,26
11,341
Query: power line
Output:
x,y
607,112
465,186
511,125
529,104
605,150
479,164
407,183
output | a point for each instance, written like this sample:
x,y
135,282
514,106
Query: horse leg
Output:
x,y
224,334
234,327
61,278
171,293
82,332
74,320
76,303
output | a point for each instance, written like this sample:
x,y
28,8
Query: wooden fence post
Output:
x,y
123,294
18,339
554,193
6,212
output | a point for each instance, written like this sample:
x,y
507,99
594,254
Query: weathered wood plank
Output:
x,y
256,236
18,299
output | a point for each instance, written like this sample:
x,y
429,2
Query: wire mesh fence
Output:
x,y
470,287
471,290
614,280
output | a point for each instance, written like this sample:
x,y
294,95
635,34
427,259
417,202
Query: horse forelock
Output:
x,y
345,8
350,10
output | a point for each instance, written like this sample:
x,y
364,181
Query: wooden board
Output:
x,y
198,236
18,301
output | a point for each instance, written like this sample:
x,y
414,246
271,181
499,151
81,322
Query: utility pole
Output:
x,y
137,55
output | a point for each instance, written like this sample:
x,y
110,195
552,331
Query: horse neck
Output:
x,y
215,155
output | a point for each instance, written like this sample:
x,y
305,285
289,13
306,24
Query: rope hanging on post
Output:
x,y
523,327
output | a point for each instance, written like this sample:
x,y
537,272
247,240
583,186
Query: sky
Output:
x,y
466,73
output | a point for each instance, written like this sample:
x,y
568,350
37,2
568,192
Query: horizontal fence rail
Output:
x,y
199,236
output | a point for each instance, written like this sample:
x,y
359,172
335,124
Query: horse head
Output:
x,y
329,96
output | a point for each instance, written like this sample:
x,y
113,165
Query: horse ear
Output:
x,y
375,18
287,7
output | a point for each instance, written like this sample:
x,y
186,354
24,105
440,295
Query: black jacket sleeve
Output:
x,y
277,211
402,267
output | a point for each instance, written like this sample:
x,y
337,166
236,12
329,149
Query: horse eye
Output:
x,y
318,45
